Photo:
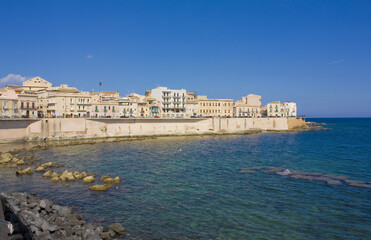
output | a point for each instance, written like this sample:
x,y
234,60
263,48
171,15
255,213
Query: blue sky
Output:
x,y
316,53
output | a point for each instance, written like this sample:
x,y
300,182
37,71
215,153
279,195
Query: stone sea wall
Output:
x,y
80,128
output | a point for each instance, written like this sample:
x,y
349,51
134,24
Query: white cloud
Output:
x,y
337,61
13,79
89,56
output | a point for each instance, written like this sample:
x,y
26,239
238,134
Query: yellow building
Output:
x,y
215,107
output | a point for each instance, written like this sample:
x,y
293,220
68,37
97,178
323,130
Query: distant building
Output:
x,y
36,84
290,109
249,106
127,107
63,101
105,109
8,104
215,107
27,105
286,109
154,107
173,102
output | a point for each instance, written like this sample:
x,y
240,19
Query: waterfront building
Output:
x,y
36,84
249,106
192,107
127,107
215,107
172,101
275,109
143,110
8,104
27,104
286,109
105,109
290,109
63,101
154,107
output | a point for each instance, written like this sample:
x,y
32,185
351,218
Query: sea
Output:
x,y
192,187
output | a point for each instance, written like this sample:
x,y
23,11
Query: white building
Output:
x,y
286,109
290,109
172,102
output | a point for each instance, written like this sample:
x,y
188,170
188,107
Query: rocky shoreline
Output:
x,y
36,218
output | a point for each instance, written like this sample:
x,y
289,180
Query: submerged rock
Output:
x,y
247,171
285,172
334,182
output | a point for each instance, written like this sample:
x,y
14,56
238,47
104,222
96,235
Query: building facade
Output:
x,y
8,104
249,106
286,109
173,102
215,107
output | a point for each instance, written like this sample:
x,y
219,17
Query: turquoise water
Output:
x,y
192,188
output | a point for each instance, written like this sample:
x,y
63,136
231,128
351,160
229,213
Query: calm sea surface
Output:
x,y
191,187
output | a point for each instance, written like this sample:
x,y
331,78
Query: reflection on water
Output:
x,y
191,187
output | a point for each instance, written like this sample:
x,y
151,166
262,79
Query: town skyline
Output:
x,y
315,54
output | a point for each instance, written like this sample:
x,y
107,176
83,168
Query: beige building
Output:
x,y
36,84
275,109
27,105
215,107
192,108
8,104
64,101
249,106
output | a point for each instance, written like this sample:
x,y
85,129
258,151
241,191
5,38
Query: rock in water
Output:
x,y
117,228
88,179
40,169
100,187
48,174
333,182
24,171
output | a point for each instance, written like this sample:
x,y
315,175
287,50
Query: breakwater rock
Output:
x,y
36,218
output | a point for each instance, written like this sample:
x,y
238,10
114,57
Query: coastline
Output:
x,y
78,129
